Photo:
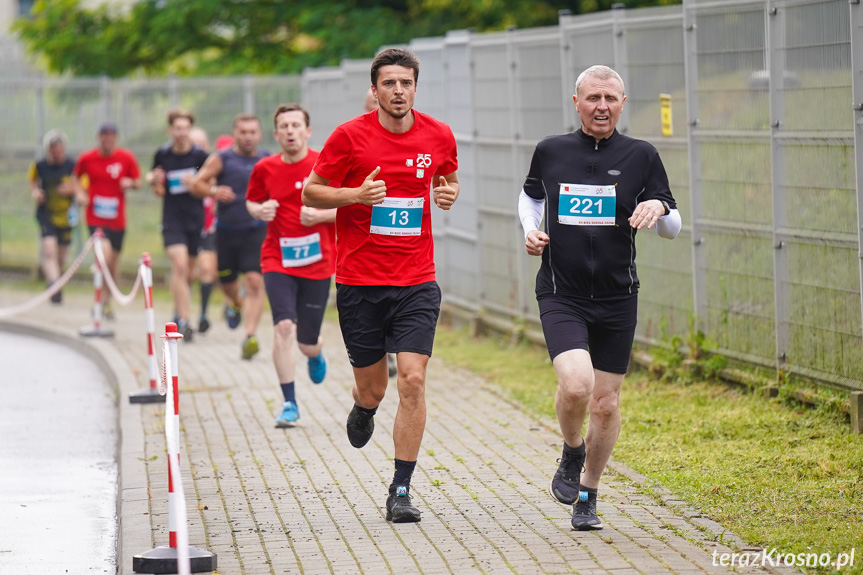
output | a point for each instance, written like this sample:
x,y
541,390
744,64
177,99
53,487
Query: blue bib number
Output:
x,y
298,252
586,205
398,217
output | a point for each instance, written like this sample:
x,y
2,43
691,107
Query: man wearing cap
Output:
x,y
109,171
51,186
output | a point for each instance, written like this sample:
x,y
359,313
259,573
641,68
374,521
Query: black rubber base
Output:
x,y
147,395
91,331
163,559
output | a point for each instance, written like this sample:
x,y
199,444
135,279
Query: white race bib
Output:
x,y
174,179
298,252
398,217
586,205
106,208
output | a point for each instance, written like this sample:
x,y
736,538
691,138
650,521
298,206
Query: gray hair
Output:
x,y
599,72
52,137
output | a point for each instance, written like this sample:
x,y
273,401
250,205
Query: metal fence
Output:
x,y
749,103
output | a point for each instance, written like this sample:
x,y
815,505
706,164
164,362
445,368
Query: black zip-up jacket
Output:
x,y
592,260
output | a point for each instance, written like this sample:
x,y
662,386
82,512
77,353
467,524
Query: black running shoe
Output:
x,y
185,329
399,506
584,516
203,324
565,483
360,427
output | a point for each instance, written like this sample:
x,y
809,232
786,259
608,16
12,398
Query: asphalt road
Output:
x,y
58,470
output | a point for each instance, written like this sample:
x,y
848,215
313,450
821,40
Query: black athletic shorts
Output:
x,y
113,236
604,327
208,242
174,234
380,319
239,251
48,229
300,300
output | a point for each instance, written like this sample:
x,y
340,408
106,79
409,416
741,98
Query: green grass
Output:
x,y
777,474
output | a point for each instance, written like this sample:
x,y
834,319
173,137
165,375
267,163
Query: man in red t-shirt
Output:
x,y
388,299
110,171
298,256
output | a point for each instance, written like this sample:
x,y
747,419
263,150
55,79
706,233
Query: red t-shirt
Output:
x,y
290,247
394,246
107,205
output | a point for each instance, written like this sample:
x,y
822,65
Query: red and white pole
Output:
x,y
178,557
150,316
172,336
149,394
98,282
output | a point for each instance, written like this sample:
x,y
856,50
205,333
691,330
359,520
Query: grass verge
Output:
x,y
777,474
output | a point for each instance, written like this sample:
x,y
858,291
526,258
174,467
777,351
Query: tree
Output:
x,y
259,36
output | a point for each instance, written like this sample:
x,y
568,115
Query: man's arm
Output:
x,y
314,216
317,193
35,189
264,211
446,192
203,182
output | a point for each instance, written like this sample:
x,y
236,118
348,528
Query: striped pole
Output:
x,y
178,557
149,394
172,336
98,282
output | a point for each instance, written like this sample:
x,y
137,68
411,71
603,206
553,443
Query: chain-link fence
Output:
x,y
749,103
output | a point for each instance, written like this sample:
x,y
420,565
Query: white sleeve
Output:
x,y
669,226
530,212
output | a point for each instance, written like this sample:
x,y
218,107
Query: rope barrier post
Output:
x,y
171,559
148,394
96,330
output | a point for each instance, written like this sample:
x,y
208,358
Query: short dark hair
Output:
x,y
395,57
177,113
290,108
243,117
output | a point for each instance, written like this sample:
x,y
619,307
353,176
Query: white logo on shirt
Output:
x,y
114,170
420,172
298,185
409,163
424,160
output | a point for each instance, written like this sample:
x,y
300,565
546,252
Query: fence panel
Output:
x,y
747,102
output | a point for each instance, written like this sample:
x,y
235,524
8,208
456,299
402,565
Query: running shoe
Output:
x,y
185,330
108,311
360,427
392,368
584,516
318,368
57,296
399,506
250,347
233,315
203,324
290,415
565,483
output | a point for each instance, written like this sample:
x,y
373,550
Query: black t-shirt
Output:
x,y
236,171
601,183
180,205
50,176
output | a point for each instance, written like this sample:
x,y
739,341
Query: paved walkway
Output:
x,y
303,500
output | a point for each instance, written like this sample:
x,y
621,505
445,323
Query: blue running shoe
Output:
x,y
232,315
290,415
318,368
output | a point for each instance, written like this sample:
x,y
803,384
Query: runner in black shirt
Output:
x,y
182,213
596,189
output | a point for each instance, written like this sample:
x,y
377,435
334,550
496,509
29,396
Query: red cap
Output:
x,y
224,142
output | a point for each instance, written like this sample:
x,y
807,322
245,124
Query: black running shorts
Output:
x,y
380,319
239,251
604,327
115,237
300,300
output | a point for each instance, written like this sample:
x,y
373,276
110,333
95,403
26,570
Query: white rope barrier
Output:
x,y
55,287
119,297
